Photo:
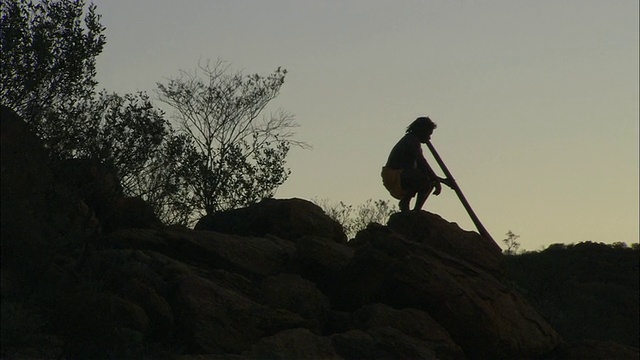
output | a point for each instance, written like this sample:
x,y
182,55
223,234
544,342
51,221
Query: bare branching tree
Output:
x,y
241,151
511,243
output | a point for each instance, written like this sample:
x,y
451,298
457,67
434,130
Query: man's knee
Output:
x,y
415,180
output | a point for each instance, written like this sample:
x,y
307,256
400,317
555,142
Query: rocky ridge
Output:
x,y
276,280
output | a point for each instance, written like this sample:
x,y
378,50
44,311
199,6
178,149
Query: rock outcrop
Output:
x,y
275,280
288,219
42,221
447,237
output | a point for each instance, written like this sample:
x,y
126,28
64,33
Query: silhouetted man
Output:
x,y
407,172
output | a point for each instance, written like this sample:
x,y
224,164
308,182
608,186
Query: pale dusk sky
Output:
x,y
536,101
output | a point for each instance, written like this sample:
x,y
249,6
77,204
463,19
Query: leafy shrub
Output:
x,y
358,218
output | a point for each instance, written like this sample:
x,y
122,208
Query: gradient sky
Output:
x,y
536,101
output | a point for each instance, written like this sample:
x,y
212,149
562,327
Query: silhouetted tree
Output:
x,y
222,157
47,67
511,243
133,136
240,156
47,71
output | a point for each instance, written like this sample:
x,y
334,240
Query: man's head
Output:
x,y
422,127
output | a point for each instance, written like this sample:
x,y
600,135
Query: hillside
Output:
x,y
586,291
90,273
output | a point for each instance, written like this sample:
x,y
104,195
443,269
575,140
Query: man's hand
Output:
x,y
437,188
448,182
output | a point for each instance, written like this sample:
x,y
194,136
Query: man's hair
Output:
x,y
420,124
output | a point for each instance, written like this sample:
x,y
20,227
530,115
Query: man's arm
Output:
x,y
423,165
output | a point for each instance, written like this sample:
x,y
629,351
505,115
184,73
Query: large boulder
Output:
x,y
249,256
95,182
87,316
300,296
484,317
393,343
41,220
132,212
321,260
98,186
155,306
407,326
143,278
597,350
213,319
448,237
297,343
354,344
26,184
286,218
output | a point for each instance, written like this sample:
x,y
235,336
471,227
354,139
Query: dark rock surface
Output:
x,y
447,237
482,315
289,219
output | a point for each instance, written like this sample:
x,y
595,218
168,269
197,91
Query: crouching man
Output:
x,y
407,172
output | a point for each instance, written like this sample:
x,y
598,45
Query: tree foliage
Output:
x,y
49,51
129,133
221,156
120,124
47,67
239,152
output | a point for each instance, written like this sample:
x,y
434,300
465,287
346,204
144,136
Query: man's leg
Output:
x,y
422,198
419,182
404,203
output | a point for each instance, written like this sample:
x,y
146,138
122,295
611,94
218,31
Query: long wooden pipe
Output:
x,y
456,188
